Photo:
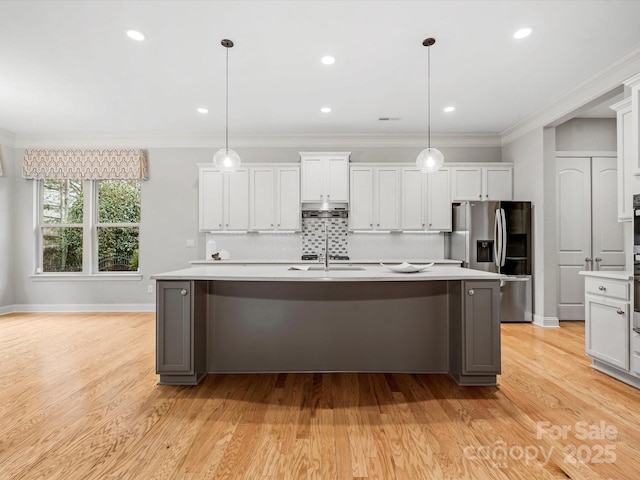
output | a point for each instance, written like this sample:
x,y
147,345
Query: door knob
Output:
x,y
183,292
471,292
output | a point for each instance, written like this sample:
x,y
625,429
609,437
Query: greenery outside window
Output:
x,y
89,226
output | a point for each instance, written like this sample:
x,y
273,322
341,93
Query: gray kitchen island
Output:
x,y
268,318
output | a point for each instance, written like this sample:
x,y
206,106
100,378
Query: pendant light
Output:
x,y
225,159
430,159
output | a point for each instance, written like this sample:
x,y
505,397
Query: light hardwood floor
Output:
x,y
79,400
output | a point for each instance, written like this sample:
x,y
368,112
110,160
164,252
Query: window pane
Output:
x,y
117,249
62,249
119,201
62,201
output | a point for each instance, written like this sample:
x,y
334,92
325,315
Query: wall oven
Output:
x,y
636,263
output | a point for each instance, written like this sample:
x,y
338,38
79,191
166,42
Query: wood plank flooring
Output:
x,y
79,400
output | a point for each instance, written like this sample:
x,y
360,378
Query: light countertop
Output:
x,y
420,261
282,273
614,275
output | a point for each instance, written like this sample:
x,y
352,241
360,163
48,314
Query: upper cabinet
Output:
x,y
325,176
480,182
223,199
634,85
375,198
626,165
426,200
274,197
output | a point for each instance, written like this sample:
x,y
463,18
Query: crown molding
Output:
x,y
7,138
562,106
259,141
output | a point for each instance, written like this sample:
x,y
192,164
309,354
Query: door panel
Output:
x,y
388,198
412,200
288,204
262,200
573,204
361,206
608,236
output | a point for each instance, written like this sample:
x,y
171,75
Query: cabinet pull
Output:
x,y
480,196
620,312
378,225
602,288
471,292
183,292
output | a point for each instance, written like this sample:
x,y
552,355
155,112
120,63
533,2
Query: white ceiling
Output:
x,y
67,68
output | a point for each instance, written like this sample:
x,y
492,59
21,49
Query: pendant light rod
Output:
x,y
427,43
227,44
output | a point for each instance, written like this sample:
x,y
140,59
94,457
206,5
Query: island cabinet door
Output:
x,y
481,332
174,327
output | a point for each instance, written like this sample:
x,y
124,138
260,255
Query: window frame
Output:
x,y
89,225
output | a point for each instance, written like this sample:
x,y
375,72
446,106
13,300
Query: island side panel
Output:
x,y
475,332
328,326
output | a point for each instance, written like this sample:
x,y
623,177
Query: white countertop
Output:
x,y
614,275
421,261
278,272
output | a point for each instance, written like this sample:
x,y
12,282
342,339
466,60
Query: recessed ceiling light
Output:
x,y
449,109
325,109
203,110
136,35
328,60
522,33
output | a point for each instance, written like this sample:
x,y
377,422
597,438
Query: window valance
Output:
x,y
90,164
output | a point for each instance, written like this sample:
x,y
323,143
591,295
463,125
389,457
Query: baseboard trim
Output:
x,y
81,307
546,322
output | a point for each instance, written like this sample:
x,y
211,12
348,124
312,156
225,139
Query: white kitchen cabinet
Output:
x,y
223,199
482,181
426,200
625,159
633,84
325,176
635,354
375,198
274,196
607,313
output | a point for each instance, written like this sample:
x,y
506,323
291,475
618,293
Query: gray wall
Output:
x,y
7,207
587,134
169,218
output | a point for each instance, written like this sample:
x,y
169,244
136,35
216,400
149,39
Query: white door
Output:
x,y
413,199
238,200
607,232
337,179
573,207
466,183
262,199
312,179
288,198
387,198
211,200
439,201
498,183
361,205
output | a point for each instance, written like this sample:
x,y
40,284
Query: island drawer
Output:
x,y
607,287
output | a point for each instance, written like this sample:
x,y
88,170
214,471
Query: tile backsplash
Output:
x,y
313,237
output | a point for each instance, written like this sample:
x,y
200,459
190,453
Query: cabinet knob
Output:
x,y
278,225
183,292
620,311
272,224
471,292
371,224
480,196
423,224
378,225
602,288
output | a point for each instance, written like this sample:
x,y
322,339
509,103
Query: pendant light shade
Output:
x,y
225,159
430,159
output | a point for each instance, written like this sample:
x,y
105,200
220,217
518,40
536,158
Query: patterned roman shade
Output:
x,y
90,164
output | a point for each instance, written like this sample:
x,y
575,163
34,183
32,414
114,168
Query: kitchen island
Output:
x,y
267,318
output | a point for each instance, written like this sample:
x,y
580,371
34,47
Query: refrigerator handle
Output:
x,y
497,231
503,238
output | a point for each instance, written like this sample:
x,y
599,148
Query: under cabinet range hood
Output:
x,y
325,207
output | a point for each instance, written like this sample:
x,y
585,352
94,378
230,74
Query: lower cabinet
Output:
x,y
635,354
181,331
474,328
607,330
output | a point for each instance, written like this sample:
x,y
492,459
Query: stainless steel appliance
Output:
x,y
497,237
636,263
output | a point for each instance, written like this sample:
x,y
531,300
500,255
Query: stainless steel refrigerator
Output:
x,y
497,237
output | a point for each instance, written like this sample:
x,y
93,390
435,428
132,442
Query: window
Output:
x,y
88,226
